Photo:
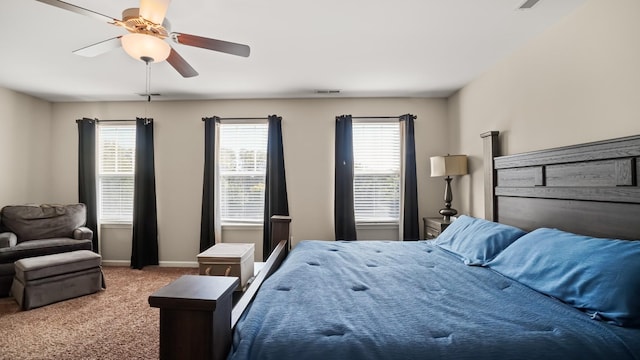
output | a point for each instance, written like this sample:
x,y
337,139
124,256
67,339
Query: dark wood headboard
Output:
x,y
589,189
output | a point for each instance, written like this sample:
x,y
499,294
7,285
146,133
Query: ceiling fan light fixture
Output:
x,y
144,47
154,10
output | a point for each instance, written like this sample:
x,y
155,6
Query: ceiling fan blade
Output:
x,y
181,65
99,48
154,10
211,44
79,10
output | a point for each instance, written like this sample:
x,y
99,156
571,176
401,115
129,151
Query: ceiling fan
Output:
x,y
148,28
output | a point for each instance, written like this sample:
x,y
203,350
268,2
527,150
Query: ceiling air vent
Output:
x,y
528,4
327,91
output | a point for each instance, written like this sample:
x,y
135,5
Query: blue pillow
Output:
x,y
476,241
598,276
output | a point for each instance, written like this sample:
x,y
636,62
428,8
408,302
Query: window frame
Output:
x,y
373,222
126,220
230,222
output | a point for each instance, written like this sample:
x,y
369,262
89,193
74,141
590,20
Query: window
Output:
x,y
116,161
376,155
242,160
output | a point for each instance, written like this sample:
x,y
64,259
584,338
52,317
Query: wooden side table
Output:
x,y
193,310
433,226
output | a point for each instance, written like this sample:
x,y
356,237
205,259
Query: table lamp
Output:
x,y
448,166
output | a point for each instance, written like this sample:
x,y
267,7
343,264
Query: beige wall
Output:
x,y
577,82
308,132
25,145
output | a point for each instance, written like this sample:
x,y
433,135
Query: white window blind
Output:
x,y
116,162
376,155
242,163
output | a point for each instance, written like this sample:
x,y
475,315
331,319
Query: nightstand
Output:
x,y
433,226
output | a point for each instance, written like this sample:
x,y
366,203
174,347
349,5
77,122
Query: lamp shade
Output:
x,y
143,46
450,165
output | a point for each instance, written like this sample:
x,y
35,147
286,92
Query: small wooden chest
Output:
x,y
228,259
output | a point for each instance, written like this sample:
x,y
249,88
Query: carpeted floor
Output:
x,y
116,323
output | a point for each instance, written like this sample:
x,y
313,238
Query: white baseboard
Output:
x,y
116,263
181,264
184,264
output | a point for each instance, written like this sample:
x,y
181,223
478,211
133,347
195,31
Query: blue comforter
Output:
x,y
412,300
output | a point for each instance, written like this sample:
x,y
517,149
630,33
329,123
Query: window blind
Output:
x,y
242,164
376,155
116,162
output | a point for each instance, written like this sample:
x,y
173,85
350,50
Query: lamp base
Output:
x,y
447,213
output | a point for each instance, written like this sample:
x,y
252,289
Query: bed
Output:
x,y
372,300
450,299
551,273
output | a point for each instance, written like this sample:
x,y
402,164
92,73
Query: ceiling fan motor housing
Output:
x,y
134,23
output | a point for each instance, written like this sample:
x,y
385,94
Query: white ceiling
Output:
x,y
364,48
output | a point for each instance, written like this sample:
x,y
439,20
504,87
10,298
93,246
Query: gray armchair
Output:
x,y
8,239
35,230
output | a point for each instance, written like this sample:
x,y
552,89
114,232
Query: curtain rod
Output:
x,y
375,117
99,121
115,121
239,118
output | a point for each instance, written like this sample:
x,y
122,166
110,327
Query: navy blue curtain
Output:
x,y
145,220
344,212
207,217
410,225
275,192
87,193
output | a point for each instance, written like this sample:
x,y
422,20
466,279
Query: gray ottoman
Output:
x,y
43,280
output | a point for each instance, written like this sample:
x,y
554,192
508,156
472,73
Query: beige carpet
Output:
x,y
116,323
